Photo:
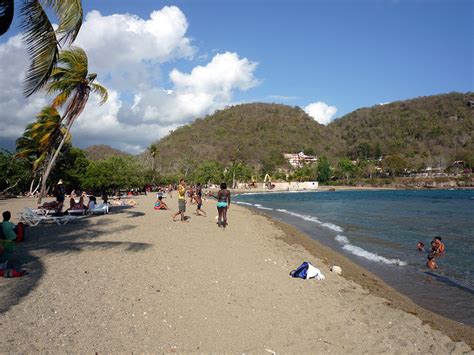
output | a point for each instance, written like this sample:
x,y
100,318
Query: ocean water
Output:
x,y
380,229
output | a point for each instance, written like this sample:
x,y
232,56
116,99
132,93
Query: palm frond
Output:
x,y
41,43
101,91
6,15
70,16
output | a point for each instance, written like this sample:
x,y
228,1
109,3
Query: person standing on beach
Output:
x,y
181,201
223,203
198,199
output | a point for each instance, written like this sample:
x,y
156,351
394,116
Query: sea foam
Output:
x,y
332,226
265,208
244,203
342,239
372,256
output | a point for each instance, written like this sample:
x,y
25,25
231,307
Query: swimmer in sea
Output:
x,y
439,245
431,263
420,246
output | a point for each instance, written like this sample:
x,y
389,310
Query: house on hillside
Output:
x,y
300,159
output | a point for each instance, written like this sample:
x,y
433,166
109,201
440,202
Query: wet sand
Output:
x,y
136,281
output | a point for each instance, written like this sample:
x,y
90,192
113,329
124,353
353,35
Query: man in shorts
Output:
x,y
181,201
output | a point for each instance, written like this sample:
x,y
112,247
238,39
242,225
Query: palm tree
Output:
x,y
40,140
41,40
153,150
72,84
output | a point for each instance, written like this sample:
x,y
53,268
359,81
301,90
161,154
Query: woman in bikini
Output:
x,y
223,203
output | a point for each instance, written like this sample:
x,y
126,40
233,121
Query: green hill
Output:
x,y
421,131
96,152
424,131
252,133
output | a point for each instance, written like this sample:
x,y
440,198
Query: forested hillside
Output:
x,y
97,152
254,133
425,131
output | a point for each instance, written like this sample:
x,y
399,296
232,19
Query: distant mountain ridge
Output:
x,y
420,130
101,151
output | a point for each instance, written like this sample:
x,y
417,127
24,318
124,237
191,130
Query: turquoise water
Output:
x,y
380,229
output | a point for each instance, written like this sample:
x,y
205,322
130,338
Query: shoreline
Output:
x,y
367,280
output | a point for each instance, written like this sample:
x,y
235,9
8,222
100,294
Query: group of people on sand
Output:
x,y
437,249
10,235
195,195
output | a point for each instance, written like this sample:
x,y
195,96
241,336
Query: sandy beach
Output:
x,y
135,281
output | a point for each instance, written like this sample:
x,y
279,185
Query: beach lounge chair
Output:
x,y
32,218
77,212
103,208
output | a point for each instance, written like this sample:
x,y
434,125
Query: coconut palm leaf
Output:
x,y
6,15
101,91
70,18
42,45
41,40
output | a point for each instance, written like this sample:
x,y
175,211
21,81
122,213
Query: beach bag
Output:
x,y
20,232
307,271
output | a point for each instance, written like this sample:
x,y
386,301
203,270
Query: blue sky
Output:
x,y
345,54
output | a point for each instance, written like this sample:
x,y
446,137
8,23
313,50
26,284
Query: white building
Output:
x,y
300,159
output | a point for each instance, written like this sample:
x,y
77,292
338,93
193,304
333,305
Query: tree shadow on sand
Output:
x,y
51,239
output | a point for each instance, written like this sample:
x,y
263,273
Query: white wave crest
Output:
x,y
302,216
342,239
372,256
265,208
333,227
244,203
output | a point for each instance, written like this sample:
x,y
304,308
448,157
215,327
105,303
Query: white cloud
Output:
x,y
198,93
129,49
15,111
321,112
127,52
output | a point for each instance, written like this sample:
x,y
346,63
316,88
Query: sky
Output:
x,y
166,63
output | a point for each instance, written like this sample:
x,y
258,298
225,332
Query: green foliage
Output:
x,y
394,165
71,167
238,172
345,168
209,171
305,173
323,170
114,173
15,173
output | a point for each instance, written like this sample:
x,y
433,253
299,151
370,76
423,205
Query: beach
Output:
x,y
135,281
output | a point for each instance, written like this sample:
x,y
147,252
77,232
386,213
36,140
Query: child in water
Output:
x,y
420,246
431,263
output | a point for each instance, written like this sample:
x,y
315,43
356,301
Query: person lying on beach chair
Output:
x,y
77,206
10,231
160,205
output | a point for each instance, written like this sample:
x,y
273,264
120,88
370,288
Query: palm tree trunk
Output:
x,y
52,162
31,185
